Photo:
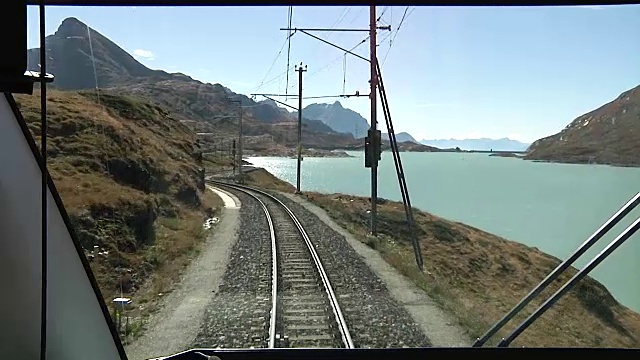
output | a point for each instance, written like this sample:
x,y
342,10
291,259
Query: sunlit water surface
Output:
x,y
554,207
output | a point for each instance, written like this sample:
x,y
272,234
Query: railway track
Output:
x,y
304,311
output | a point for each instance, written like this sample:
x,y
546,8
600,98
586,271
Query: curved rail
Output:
x,y
333,301
274,266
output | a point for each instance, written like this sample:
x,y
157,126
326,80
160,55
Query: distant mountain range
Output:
x,y
338,118
402,137
482,144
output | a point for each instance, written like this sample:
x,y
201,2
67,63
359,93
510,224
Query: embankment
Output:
x,y
132,185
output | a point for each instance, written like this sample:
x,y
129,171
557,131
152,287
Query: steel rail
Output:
x,y
274,266
335,306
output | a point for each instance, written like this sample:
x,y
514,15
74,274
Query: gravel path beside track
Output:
x,y
238,314
173,327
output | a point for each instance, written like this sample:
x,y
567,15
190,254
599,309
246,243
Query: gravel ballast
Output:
x,y
238,314
440,327
374,318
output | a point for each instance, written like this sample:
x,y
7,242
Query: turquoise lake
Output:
x,y
554,207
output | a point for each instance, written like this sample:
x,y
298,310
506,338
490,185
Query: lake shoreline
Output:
x,y
463,295
500,196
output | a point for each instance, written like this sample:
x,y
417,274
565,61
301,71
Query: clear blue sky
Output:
x,y
454,72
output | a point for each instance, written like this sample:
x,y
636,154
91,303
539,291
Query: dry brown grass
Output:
x,y
140,214
264,179
478,277
178,241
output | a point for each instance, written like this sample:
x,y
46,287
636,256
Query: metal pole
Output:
x,y
300,70
613,220
44,215
240,147
404,190
232,152
374,139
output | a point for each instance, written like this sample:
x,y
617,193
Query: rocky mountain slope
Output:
x,y
74,49
607,135
69,55
347,121
338,118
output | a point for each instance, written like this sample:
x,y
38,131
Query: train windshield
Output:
x,y
348,176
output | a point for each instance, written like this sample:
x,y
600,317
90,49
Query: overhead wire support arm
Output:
x,y
268,96
305,31
289,49
334,45
357,94
323,30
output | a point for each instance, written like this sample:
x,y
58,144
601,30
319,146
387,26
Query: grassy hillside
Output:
x,y
129,179
478,277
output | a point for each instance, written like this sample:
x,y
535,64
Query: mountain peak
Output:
x,y
338,118
268,102
67,49
72,26
71,21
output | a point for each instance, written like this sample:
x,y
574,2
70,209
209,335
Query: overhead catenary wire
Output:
x,y
385,38
289,49
95,75
336,59
287,72
333,96
358,14
346,11
287,41
276,59
273,79
405,15
344,69
326,66
382,14
340,18
290,69
95,72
